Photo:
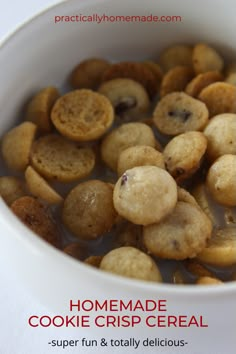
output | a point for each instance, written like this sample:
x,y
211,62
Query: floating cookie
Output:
x,y
16,146
39,108
139,156
176,55
126,96
145,195
82,115
38,187
182,234
178,113
88,210
221,136
88,74
123,137
56,158
219,97
199,82
206,58
132,263
201,195
208,281
175,80
38,218
184,153
11,188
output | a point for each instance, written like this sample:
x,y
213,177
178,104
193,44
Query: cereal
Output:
x,y
38,187
201,195
139,155
221,248
88,210
94,261
221,179
145,195
179,54
208,281
54,157
11,188
219,97
199,82
126,96
206,58
123,137
178,113
131,263
184,153
221,133
88,74
82,115
39,108
16,145
135,71
175,79
75,250
182,234
38,218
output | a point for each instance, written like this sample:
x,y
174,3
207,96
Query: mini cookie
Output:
x,y
126,96
123,137
201,81
39,108
76,251
205,58
208,281
82,115
139,156
56,158
38,187
132,263
219,97
16,146
88,74
202,197
182,234
178,113
176,55
175,80
221,133
145,195
155,69
221,179
221,248
11,188
37,217
135,71
94,261
184,153
88,210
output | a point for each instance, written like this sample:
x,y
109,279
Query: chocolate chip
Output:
x,y
124,179
182,114
125,104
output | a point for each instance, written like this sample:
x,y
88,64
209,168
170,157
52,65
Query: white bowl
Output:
x,y
42,53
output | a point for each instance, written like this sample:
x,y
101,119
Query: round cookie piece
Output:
x,y
175,55
123,137
182,234
206,58
56,158
11,188
184,153
221,136
82,115
132,263
144,195
126,96
221,179
199,82
139,155
178,113
175,80
88,210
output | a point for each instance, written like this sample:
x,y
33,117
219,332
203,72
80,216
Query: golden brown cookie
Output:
x,y
175,80
184,196
88,74
38,218
56,158
199,82
39,108
184,153
16,146
175,55
88,210
219,97
82,115
11,188
178,113
206,58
